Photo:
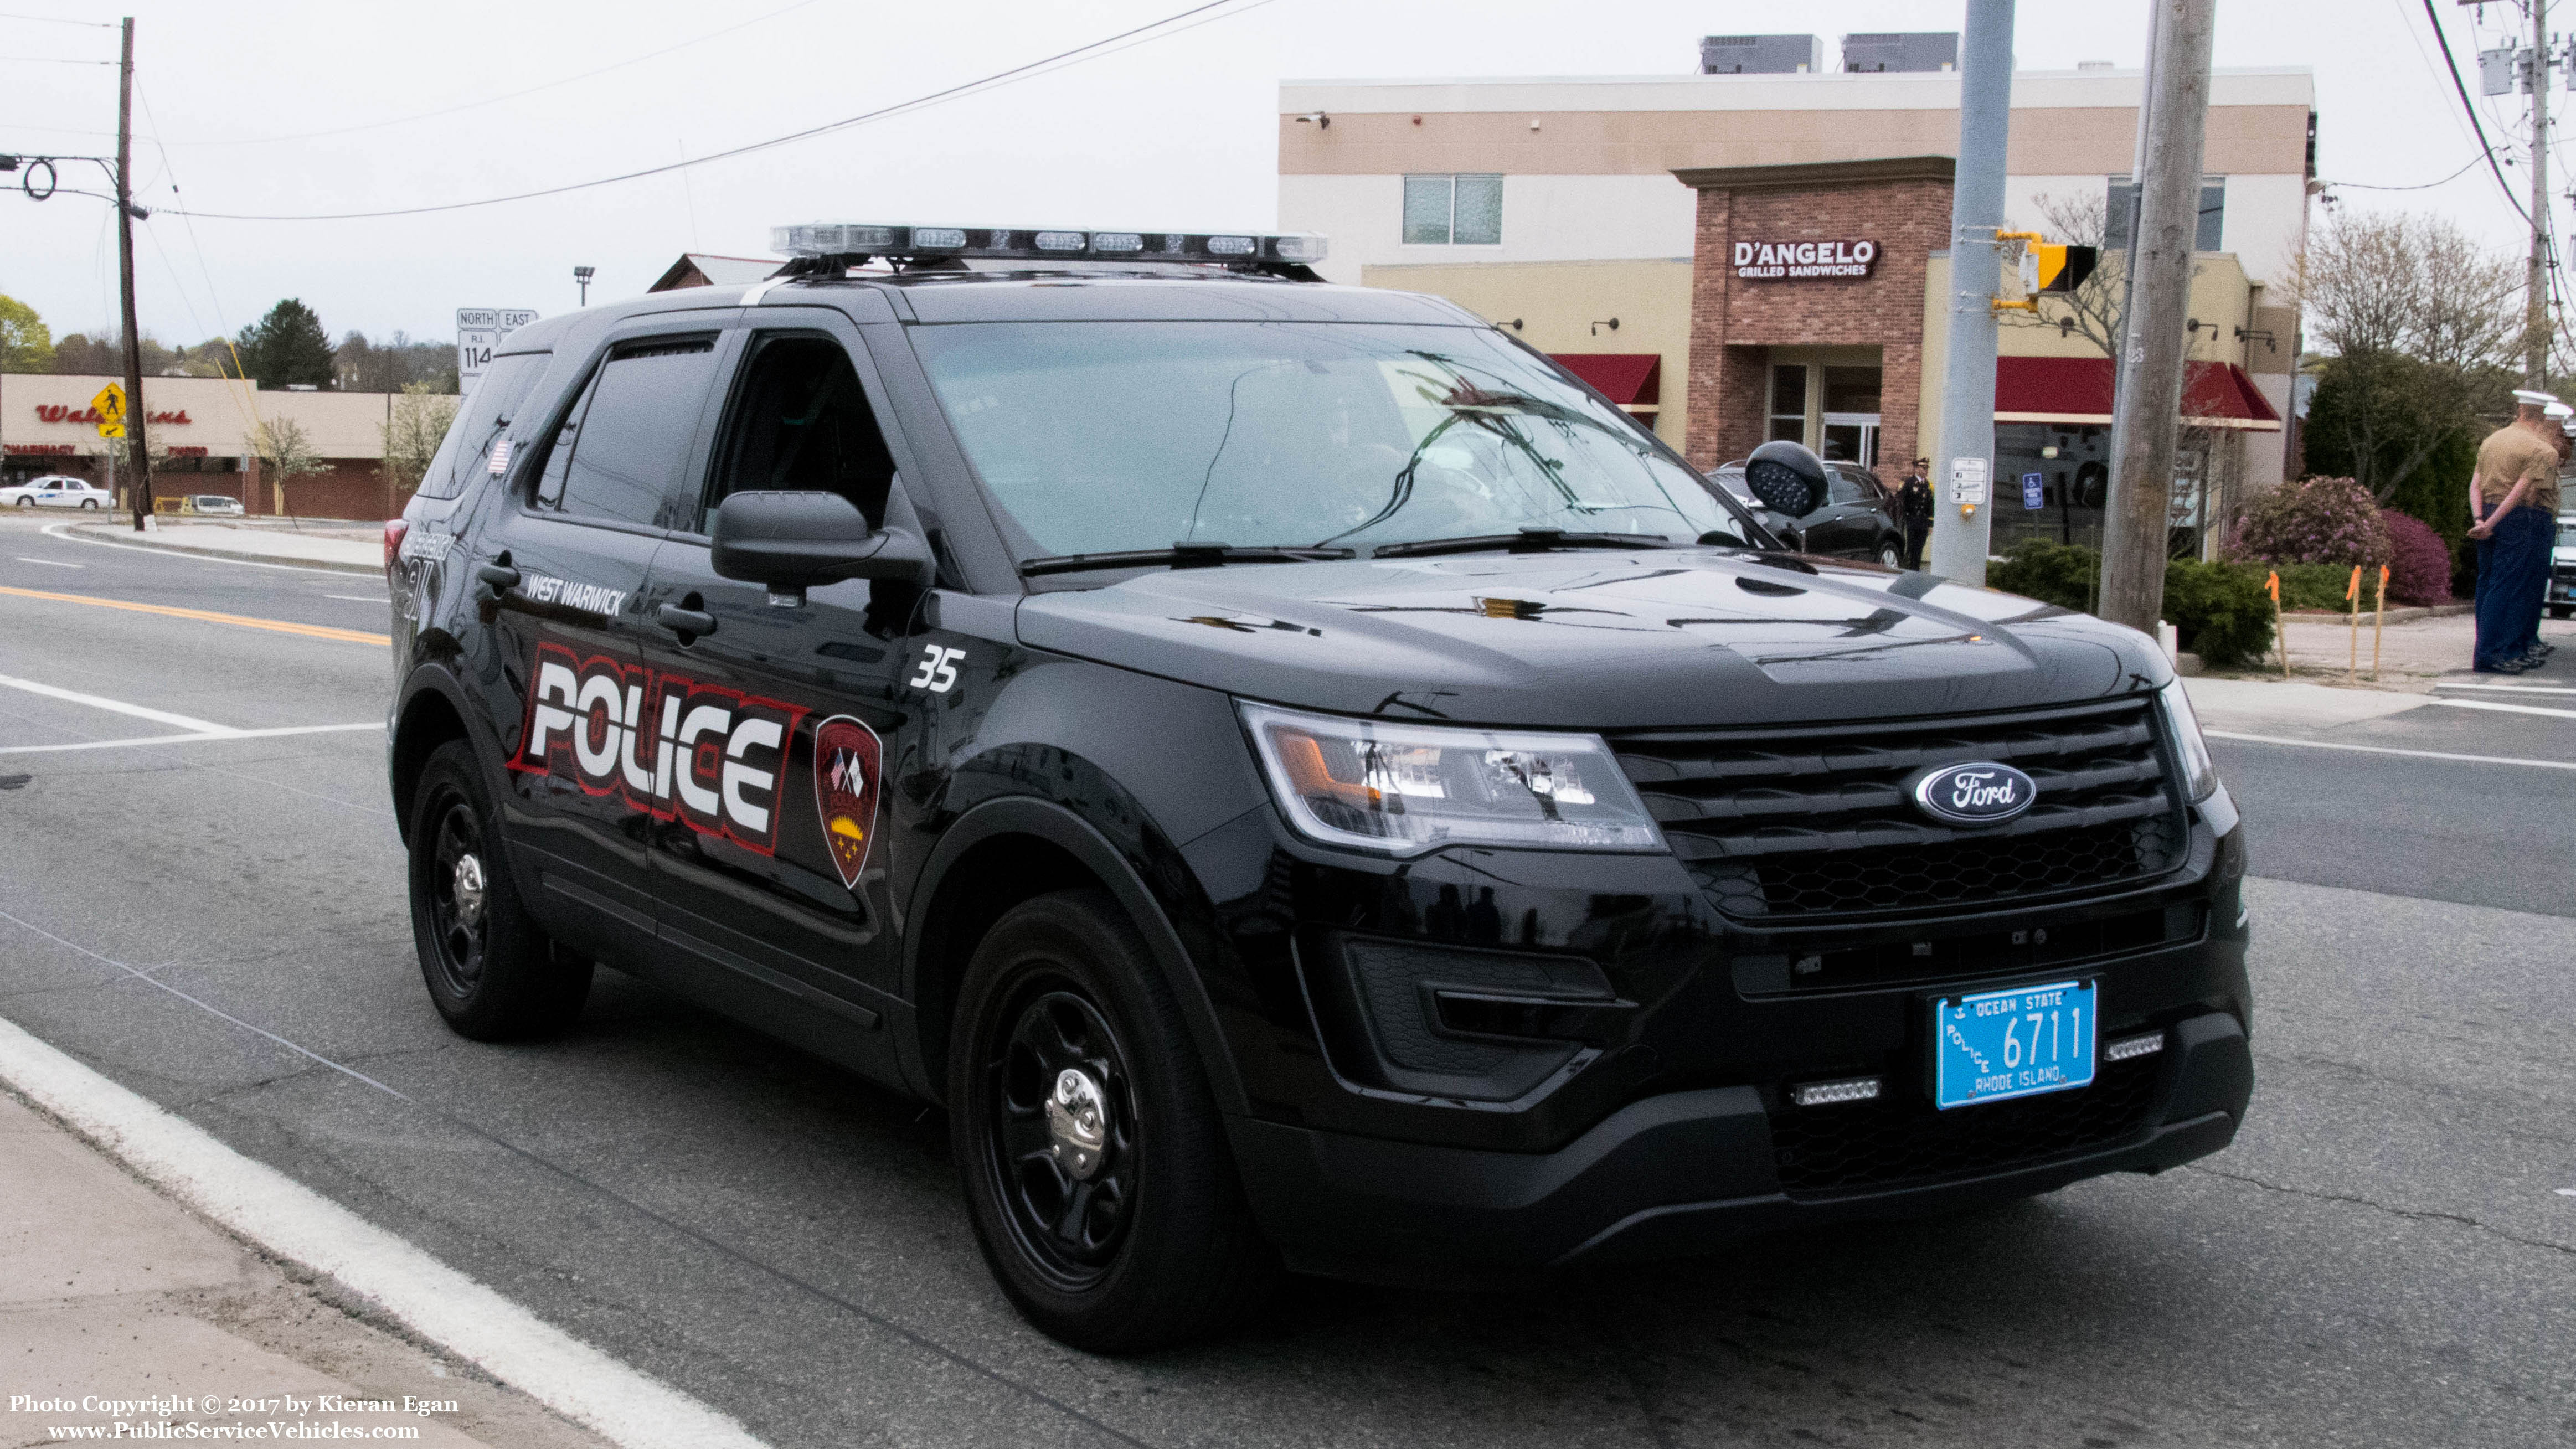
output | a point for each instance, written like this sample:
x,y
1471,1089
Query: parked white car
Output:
x,y
214,504
56,490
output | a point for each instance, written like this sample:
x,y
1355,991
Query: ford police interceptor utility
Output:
x,y
1303,781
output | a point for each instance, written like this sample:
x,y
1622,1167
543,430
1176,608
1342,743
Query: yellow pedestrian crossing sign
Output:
x,y
110,407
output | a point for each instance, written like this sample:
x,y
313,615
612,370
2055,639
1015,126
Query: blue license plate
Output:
x,y
1997,1045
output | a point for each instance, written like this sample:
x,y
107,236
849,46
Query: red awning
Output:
x,y
1630,379
2078,390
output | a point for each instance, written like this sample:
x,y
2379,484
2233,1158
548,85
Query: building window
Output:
x,y
1788,403
2124,196
1461,210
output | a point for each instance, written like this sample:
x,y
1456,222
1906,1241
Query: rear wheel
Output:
x,y
2561,611
1096,1168
492,974
89,505
26,502
1892,556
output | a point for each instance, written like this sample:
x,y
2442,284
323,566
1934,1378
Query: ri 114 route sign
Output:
x,y
479,331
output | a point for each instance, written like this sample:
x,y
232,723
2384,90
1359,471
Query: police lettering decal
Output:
x,y
846,760
671,747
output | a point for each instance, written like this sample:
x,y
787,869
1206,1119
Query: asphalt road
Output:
x,y
2383,1258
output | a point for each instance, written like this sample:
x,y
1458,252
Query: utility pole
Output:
x,y
2136,526
2535,346
1960,529
137,457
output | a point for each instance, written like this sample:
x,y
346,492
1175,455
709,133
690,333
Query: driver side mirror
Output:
x,y
1788,478
791,542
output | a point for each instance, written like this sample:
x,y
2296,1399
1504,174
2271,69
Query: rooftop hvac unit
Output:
x,y
1902,50
1760,54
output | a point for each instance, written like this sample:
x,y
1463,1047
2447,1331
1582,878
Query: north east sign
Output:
x,y
1791,261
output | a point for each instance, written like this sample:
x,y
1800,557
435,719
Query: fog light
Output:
x,y
1826,1094
2144,1045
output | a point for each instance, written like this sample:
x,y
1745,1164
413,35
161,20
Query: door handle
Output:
x,y
684,621
501,577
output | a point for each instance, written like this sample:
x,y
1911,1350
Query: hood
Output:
x,y
1597,640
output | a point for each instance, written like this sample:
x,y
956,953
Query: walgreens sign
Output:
x,y
1781,261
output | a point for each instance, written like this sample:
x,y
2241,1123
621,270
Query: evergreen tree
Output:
x,y
288,347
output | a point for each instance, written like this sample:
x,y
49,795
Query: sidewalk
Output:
x,y
113,1291
343,547
2413,657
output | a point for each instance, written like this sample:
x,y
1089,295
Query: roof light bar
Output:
x,y
848,239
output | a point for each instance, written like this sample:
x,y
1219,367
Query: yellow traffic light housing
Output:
x,y
2046,269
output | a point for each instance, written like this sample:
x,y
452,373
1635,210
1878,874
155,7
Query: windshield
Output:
x,y
1098,437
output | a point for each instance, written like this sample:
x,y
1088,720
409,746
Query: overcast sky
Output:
x,y
417,105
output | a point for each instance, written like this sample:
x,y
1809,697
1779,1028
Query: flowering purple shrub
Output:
x,y
2315,520
2419,563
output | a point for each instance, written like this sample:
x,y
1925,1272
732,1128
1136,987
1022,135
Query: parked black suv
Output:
x,y
1859,517
1299,778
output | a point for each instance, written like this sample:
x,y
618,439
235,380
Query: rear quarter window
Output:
x,y
461,459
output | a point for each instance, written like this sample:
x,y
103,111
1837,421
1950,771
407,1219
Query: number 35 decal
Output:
x,y
938,672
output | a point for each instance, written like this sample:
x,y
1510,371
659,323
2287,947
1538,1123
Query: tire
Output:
x,y
2562,611
1891,555
26,502
491,973
89,505
1161,1246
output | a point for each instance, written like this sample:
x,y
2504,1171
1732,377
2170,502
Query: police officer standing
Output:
x,y
1914,500
2513,506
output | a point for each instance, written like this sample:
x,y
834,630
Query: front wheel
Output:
x,y
26,502
89,505
1096,1167
492,974
1892,556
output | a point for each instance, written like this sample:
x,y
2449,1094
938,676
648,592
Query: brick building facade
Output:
x,y
1743,332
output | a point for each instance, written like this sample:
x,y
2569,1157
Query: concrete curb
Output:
x,y
2406,615
126,536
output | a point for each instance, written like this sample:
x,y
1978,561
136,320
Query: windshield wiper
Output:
x,y
1179,556
1528,540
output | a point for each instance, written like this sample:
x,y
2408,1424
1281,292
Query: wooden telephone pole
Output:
x,y
138,462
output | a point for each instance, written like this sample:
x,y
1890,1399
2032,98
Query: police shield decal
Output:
x,y
845,791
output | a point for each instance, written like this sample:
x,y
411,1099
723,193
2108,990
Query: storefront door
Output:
x,y
1851,438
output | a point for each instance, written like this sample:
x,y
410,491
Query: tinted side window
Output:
x,y
801,421
636,428
464,455
1848,489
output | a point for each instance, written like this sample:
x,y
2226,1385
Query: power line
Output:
x,y
509,95
58,20
2426,186
49,60
2450,63
1138,35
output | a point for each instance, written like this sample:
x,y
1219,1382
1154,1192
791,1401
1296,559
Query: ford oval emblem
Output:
x,y
1977,794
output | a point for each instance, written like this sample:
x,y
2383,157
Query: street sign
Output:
x,y
479,331
2030,490
1968,480
110,404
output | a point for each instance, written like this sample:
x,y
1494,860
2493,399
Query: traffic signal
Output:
x,y
2053,268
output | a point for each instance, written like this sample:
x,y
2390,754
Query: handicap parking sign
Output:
x,y
2030,490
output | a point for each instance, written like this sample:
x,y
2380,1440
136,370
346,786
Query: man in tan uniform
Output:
x,y
2513,504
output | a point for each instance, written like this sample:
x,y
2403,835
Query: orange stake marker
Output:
x,y
2378,623
2352,591
2280,635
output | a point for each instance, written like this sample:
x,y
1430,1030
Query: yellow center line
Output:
x,y
276,626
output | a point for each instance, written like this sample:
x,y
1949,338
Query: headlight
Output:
x,y
2198,773
1407,788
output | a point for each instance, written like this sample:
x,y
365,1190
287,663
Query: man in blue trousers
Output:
x,y
2513,503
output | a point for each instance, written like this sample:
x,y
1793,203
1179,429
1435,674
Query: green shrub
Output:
x,y
2220,610
2053,573
2318,586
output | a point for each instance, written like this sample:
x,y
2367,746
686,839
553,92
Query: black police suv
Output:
x,y
1300,779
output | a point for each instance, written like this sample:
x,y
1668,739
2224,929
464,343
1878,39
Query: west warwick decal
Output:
x,y
846,768
671,747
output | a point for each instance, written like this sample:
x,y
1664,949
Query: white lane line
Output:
x,y
291,1220
361,598
51,563
2387,750
2511,688
62,531
198,738
157,716
2501,707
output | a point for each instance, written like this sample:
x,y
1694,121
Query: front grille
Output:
x,y
1901,1141
1817,822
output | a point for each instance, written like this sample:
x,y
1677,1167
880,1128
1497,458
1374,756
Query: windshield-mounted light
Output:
x,y
2199,772
1405,789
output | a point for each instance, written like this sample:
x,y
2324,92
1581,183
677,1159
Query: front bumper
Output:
x,y
1680,1173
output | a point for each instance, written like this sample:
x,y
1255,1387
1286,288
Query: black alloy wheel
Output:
x,y
493,975
1891,555
1063,1132
1097,1174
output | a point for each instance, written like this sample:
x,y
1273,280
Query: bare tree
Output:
x,y
285,454
418,425
2094,310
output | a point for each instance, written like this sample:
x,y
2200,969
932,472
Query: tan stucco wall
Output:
x,y
1557,303
221,414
